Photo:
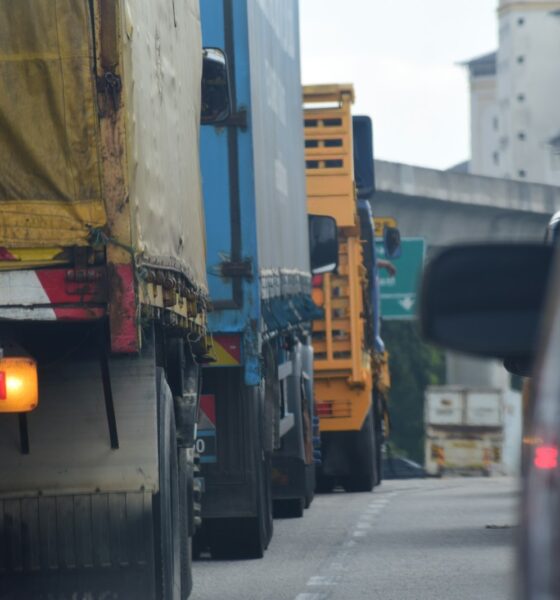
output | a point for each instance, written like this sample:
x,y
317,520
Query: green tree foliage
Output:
x,y
413,365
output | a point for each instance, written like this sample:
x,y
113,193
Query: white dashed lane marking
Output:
x,y
333,572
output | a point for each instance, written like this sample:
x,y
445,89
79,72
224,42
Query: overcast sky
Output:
x,y
401,56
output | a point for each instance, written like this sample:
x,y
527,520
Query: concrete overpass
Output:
x,y
446,206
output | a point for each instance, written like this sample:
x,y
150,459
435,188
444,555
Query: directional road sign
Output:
x,y
398,292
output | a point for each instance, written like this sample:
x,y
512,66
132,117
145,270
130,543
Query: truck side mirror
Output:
x,y
323,244
216,95
392,242
487,300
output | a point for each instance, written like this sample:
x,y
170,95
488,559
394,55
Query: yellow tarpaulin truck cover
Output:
x,y
53,162
50,187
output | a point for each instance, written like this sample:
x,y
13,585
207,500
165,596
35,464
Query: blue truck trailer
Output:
x,y
255,427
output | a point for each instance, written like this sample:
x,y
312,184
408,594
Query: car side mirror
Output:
x,y
216,95
392,242
487,300
323,244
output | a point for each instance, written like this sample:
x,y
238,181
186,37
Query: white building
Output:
x,y
485,138
515,96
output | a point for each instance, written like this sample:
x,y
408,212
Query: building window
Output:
x,y
495,123
521,173
496,158
521,135
520,59
521,97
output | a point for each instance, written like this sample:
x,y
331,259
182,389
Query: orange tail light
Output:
x,y
19,388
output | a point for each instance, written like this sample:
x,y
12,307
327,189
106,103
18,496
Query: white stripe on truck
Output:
x,y
21,295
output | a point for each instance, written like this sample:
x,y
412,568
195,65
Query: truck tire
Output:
x,y
361,448
168,502
324,484
239,538
185,495
289,508
235,539
378,461
247,537
268,517
310,487
378,435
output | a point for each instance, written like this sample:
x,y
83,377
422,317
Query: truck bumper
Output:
x,y
53,294
86,545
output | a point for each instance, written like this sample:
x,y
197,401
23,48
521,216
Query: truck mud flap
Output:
x,y
289,477
236,506
289,468
229,474
81,547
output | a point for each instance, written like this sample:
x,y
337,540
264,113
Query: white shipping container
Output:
x,y
483,408
454,405
464,430
444,407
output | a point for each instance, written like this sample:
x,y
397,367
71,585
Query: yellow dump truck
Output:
x,y
350,368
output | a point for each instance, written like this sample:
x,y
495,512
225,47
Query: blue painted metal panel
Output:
x,y
229,195
375,291
278,138
254,177
364,173
214,166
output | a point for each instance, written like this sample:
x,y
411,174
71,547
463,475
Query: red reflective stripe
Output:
x,y
61,291
5,254
324,409
122,310
231,343
3,385
78,314
208,406
317,281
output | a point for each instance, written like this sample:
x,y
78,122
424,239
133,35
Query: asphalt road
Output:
x,y
450,539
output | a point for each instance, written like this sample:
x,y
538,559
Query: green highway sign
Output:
x,y
398,292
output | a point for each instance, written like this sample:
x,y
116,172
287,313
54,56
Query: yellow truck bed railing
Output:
x,y
343,376
329,156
